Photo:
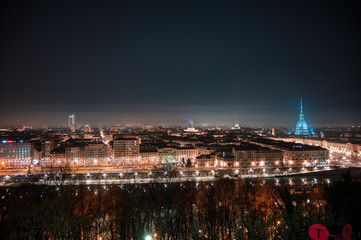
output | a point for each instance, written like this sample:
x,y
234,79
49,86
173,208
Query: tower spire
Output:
x,y
301,127
301,110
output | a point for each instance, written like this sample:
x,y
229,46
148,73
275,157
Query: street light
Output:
x,y
148,237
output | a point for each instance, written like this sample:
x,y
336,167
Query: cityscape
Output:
x,y
148,147
173,120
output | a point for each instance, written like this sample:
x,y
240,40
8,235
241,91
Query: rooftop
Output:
x,y
288,145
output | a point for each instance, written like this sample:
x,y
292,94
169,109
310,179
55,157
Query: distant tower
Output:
x,y
273,132
190,123
71,122
191,128
301,127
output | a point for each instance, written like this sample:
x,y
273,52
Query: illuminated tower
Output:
x,y
301,127
190,123
191,128
71,122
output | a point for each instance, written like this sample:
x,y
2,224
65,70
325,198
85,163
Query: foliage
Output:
x,y
189,163
224,209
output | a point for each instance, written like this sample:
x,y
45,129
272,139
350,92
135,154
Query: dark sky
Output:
x,y
167,62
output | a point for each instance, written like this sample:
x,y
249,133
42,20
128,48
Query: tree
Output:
x,y
189,163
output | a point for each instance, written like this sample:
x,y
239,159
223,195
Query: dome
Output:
x,y
302,128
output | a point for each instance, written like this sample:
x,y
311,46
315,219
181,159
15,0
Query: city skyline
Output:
x,y
180,122
165,63
154,120
50,119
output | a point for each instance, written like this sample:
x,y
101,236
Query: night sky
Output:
x,y
167,62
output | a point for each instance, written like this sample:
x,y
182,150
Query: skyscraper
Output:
x,y
301,127
71,122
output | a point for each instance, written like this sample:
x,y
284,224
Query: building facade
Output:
x,y
185,153
71,122
298,154
258,158
206,161
126,151
149,158
15,154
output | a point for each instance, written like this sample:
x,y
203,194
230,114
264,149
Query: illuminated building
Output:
x,y
15,154
306,156
71,122
225,159
176,155
36,155
149,157
87,128
236,127
301,127
191,128
167,155
334,146
57,158
297,154
186,153
126,151
95,154
206,161
82,154
250,155
46,147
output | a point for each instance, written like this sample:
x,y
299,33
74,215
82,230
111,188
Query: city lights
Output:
x,y
174,120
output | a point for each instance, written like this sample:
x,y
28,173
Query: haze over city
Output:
x,y
167,62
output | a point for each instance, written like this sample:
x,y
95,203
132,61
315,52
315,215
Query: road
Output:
x,y
121,176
